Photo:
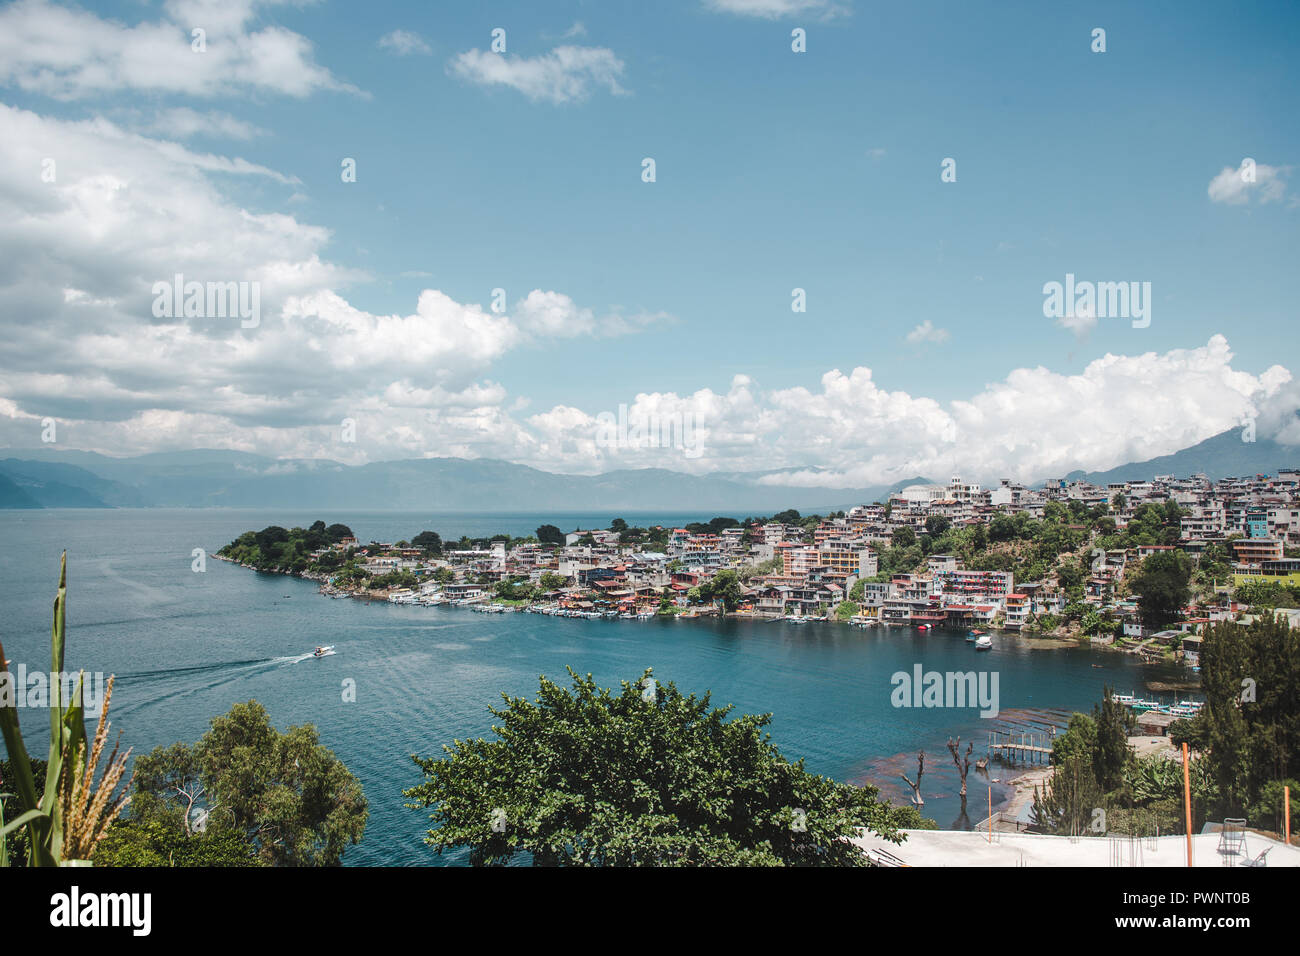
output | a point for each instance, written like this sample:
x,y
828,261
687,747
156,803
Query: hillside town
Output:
x,y
1068,558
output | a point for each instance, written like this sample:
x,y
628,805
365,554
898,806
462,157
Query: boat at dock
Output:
x,y
1179,708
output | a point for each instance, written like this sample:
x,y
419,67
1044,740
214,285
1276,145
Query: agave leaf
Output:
x,y
24,780
4,845
20,821
58,634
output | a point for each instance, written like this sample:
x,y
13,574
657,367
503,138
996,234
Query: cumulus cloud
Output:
x,y
70,54
850,432
926,332
1250,180
404,43
79,256
566,74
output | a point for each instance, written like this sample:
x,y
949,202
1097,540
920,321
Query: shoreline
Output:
x,y
1052,642
1018,782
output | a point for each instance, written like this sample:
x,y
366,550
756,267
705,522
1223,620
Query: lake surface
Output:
x,y
185,646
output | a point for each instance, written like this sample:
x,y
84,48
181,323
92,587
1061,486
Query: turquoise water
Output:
x,y
186,646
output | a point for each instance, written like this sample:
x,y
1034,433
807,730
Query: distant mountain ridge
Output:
x,y
205,478
1223,456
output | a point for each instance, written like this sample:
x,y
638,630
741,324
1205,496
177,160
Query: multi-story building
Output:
x,y
1017,611
1254,551
848,559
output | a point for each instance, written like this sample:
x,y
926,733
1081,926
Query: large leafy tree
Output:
x,y
1162,586
550,534
724,586
1250,725
645,777
244,792
429,541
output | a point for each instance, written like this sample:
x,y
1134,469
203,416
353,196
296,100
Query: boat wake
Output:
x,y
196,669
176,682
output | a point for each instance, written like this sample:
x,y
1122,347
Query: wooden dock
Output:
x,y
1025,748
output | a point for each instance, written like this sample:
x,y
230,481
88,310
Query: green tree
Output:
x,y
430,542
1070,577
1111,754
725,587
1250,725
162,841
550,581
289,799
550,534
937,524
644,777
1162,587
1002,528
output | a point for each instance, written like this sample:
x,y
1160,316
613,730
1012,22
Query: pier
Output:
x,y
1010,747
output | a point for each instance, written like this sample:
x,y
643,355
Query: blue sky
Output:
x,y
775,170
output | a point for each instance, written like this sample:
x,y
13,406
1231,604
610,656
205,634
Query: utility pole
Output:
x,y
1187,803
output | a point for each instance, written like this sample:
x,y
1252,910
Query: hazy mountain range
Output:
x,y
53,478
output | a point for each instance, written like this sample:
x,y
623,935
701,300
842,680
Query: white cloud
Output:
x,y
184,123
849,432
1080,323
81,255
78,257
926,332
566,74
405,43
69,54
1236,187
776,9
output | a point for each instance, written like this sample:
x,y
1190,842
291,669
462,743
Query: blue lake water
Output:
x,y
186,646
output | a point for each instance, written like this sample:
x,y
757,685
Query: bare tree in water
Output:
x,y
963,763
916,787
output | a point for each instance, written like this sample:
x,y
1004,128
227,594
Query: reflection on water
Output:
x,y
941,781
